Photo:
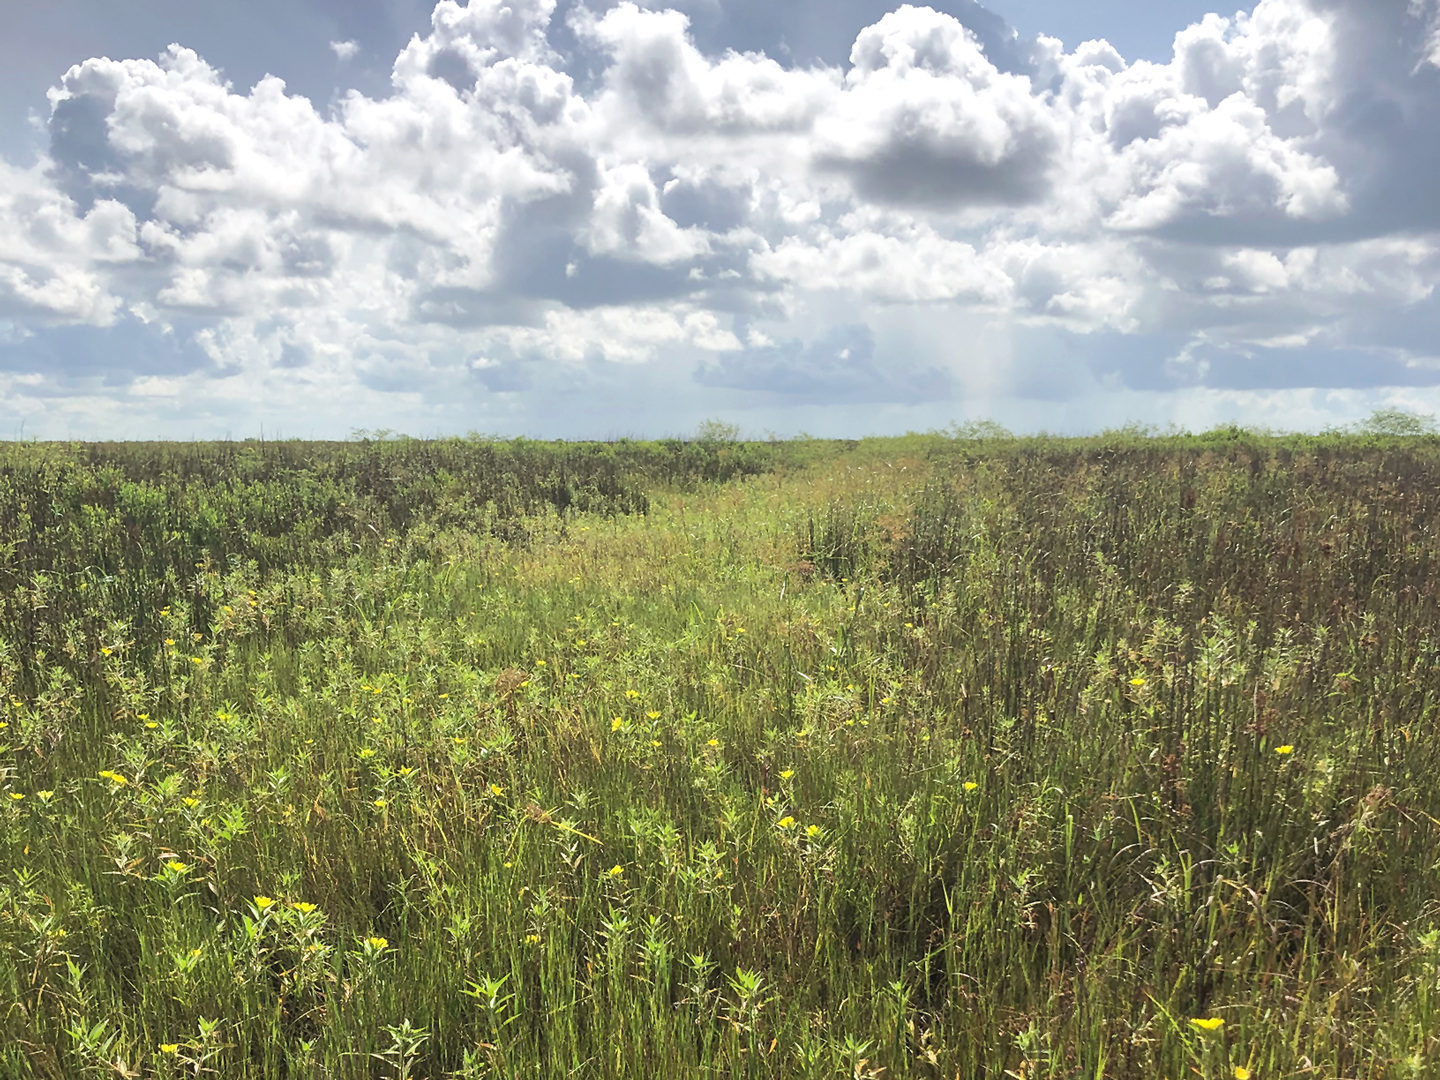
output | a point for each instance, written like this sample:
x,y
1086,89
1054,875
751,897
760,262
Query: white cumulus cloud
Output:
x,y
512,208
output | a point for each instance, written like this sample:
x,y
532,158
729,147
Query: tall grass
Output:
x,y
934,758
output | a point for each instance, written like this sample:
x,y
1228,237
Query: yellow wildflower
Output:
x,y
1137,681
302,907
786,822
175,866
1242,1073
785,774
970,785
16,796
1284,750
263,903
1210,1023
377,943
169,1048
616,871
496,789
713,742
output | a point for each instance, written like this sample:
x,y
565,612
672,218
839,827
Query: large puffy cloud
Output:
x,y
549,196
55,259
929,121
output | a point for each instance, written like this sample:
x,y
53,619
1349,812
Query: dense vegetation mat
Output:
x,y
928,758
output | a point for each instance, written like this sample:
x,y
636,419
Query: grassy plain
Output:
x,y
925,757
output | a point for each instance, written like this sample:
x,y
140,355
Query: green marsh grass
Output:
x,y
923,757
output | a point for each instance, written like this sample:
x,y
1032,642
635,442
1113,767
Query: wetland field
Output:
x,y
944,756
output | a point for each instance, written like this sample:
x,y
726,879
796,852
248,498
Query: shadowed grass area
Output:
x,y
923,757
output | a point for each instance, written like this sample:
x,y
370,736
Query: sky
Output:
x,y
602,218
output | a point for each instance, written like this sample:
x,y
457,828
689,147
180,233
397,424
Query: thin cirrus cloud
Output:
x,y
568,219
